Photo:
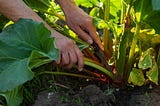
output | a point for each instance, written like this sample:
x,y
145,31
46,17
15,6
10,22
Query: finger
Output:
x,y
95,37
65,58
72,57
80,59
83,35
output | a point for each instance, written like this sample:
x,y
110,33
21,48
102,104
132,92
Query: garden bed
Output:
x,y
79,92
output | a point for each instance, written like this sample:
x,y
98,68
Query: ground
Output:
x,y
92,93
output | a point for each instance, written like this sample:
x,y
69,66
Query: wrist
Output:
x,y
67,5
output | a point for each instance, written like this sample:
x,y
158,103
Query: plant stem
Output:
x,y
106,33
131,53
122,11
65,73
93,64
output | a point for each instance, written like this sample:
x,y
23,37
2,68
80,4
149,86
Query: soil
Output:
x,y
98,94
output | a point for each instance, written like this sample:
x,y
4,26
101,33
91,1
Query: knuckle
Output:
x,y
89,21
74,61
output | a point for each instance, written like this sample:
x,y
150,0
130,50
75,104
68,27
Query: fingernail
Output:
x,y
80,69
90,41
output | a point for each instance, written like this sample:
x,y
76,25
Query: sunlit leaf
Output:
x,y
146,34
99,23
146,59
115,7
152,74
136,77
94,12
46,6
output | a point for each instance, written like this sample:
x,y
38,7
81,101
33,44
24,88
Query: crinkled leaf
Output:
x,y
146,59
14,97
152,74
136,77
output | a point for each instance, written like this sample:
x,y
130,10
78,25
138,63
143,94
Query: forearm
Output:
x,y
16,9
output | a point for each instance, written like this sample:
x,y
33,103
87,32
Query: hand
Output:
x,y
69,52
82,24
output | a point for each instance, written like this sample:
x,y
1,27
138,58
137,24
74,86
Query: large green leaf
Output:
x,y
148,11
29,35
17,43
136,77
25,45
14,68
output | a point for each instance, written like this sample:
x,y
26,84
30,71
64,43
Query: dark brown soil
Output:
x,y
99,95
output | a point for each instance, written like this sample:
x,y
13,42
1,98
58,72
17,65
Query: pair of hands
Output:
x,y
77,20
82,24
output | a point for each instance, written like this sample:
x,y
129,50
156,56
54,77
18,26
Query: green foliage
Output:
x,y
148,11
24,46
122,52
145,60
3,21
13,97
87,3
136,77
152,74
